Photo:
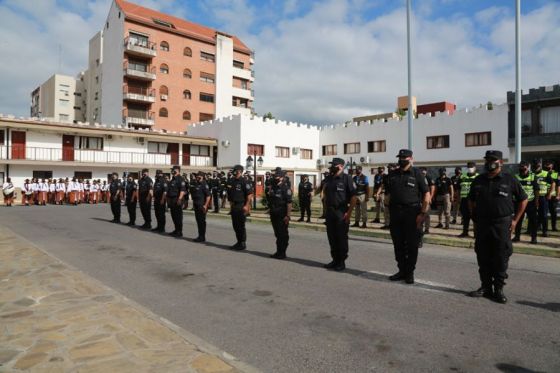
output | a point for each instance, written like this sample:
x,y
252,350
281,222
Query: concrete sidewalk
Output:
x,y
54,318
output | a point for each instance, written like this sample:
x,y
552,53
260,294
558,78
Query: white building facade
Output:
x,y
60,98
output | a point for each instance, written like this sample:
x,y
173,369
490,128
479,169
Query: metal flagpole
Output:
x,y
517,82
410,113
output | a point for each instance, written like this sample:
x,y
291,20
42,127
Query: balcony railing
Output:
x,y
25,153
143,72
139,94
144,48
138,117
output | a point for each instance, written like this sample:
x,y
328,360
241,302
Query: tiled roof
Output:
x,y
146,15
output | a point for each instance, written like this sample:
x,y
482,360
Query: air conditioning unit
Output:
x,y
295,151
163,97
364,160
140,140
225,143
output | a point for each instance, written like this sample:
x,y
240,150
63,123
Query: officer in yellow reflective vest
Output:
x,y
464,188
531,187
553,203
546,185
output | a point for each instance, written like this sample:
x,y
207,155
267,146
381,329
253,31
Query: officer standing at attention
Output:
x,y
553,202
531,187
131,199
305,194
115,190
160,195
215,188
280,199
200,194
361,182
146,193
240,195
410,202
267,185
546,185
176,191
455,181
464,188
377,182
340,198
491,200
444,197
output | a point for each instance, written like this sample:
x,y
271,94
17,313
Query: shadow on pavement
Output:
x,y
554,307
510,368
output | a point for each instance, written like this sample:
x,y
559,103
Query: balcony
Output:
x,y
242,93
242,73
96,157
141,48
135,118
138,94
141,72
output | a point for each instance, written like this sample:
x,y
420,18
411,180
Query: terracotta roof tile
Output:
x,y
137,12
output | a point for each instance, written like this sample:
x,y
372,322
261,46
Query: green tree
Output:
x,y
268,115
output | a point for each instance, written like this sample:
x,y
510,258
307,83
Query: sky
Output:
x,y
316,62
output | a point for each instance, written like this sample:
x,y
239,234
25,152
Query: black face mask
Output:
x,y
333,170
491,166
404,162
523,170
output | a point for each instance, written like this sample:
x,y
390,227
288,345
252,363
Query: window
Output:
x,y
187,52
89,143
203,117
253,149
163,112
157,147
187,94
200,150
164,69
206,97
352,148
77,94
97,80
64,117
437,142
306,153
64,103
478,139
550,119
187,74
376,146
244,84
207,78
64,92
186,115
282,152
42,174
163,90
96,95
238,64
329,149
526,120
2,134
84,175
137,65
138,39
159,22
164,46
207,57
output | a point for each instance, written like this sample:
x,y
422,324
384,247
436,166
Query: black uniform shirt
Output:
x,y
304,189
456,182
494,197
176,185
385,182
131,187
239,190
339,190
145,184
223,184
443,185
160,187
199,192
214,184
115,187
407,187
279,195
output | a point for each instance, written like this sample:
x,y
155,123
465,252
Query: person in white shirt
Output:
x,y
82,190
105,191
9,192
52,191
27,193
35,188
74,192
43,190
60,188
87,188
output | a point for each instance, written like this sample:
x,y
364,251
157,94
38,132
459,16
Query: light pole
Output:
x,y
408,50
517,82
252,163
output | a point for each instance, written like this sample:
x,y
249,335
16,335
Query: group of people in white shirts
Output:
x,y
52,191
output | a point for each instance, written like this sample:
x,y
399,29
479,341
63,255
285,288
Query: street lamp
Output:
x,y
251,163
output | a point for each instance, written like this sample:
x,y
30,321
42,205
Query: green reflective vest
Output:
x,y
465,184
554,175
527,184
543,184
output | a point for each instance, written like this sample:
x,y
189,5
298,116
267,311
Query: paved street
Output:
x,y
293,315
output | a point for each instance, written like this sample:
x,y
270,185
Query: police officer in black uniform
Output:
x,y
200,194
176,190
115,190
145,195
131,199
160,195
223,187
280,198
409,204
215,189
240,195
491,202
305,194
340,199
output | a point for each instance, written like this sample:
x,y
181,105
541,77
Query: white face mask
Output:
x,y
472,170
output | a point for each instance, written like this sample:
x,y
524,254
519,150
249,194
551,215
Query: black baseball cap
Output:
x,y
471,164
279,172
176,167
237,167
337,161
145,170
493,155
404,153
524,163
